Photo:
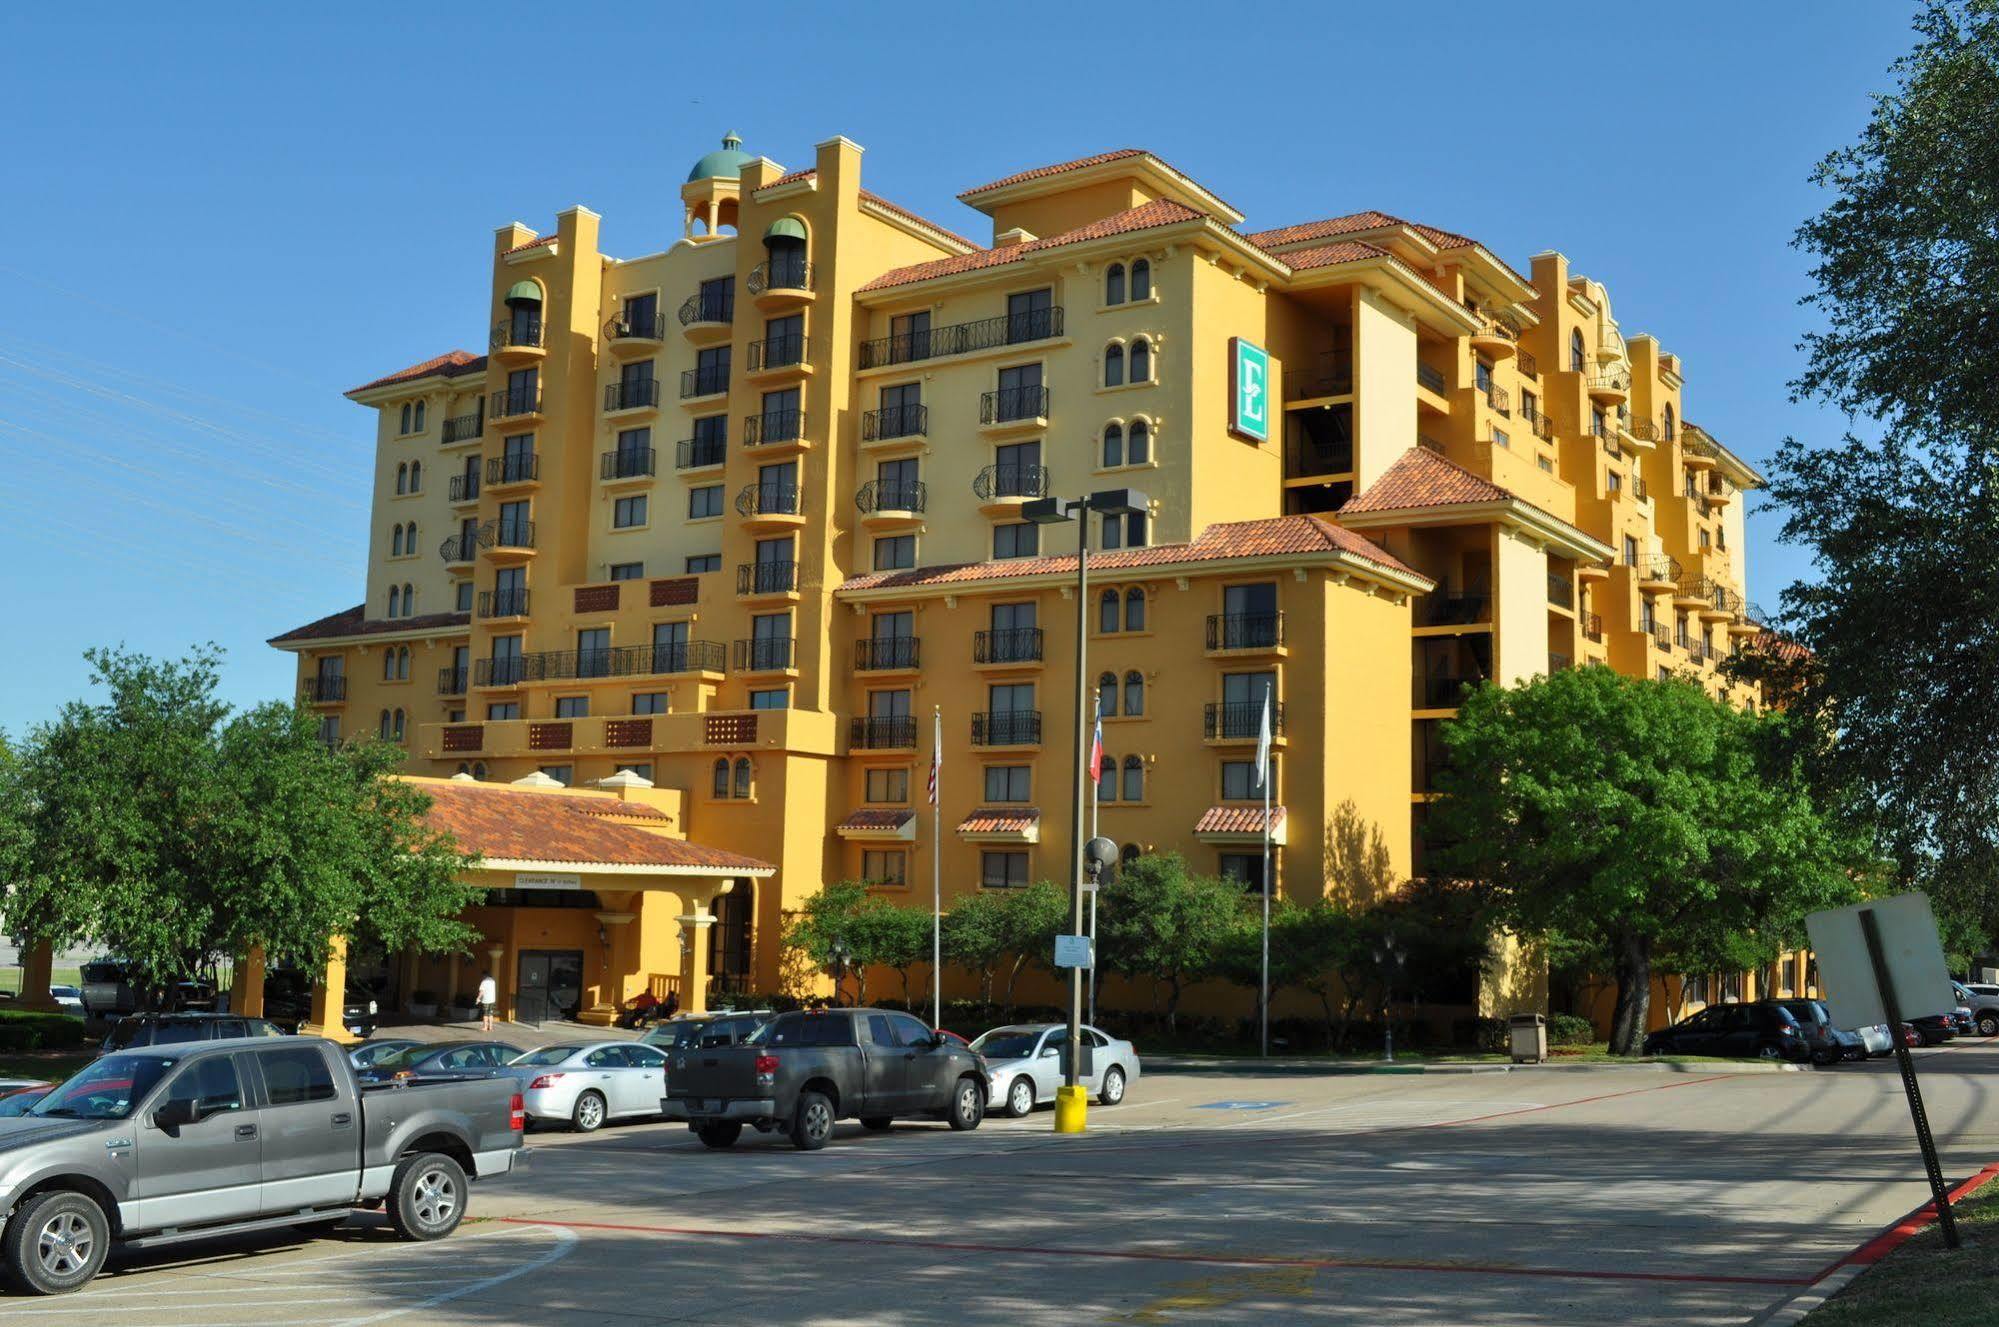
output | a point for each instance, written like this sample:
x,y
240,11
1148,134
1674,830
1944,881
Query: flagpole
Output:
x,y
936,869
1263,777
1096,791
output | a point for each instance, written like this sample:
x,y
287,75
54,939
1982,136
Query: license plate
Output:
x,y
711,1106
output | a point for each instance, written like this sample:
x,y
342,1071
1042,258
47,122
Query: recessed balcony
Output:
x,y
1442,691
627,466
1003,489
1010,409
887,503
708,318
631,398
633,335
1240,721
781,283
521,470
519,341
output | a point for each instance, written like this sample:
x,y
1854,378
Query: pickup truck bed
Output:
x,y
173,1143
804,1071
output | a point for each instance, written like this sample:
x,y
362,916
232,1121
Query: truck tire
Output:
x,y
56,1242
1988,1023
968,1104
722,1133
811,1121
588,1114
426,1197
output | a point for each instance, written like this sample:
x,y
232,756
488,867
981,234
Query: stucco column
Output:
x,y
329,995
450,979
618,982
502,987
246,984
37,965
694,962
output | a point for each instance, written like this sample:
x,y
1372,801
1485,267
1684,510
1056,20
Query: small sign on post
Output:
x,y
1072,951
1877,959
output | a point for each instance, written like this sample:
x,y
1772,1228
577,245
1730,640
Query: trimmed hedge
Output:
x,y
33,1030
1570,1030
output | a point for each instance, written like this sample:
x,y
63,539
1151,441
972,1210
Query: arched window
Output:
x,y
1134,779
403,475
1669,421
721,788
406,419
409,599
1113,365
1576,350
418,428
1107,694
416,468
1107,611
1139,450
398,733
1141,279
383,727
403,664
1141,360
1113,445
409,539
463,768
1114,284
395,602
742,776
1134,610
1107,780
388,665
479,770
1134,693
395,541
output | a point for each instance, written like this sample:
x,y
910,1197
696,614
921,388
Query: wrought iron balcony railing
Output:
x,y
1245,631
1008,645
962,338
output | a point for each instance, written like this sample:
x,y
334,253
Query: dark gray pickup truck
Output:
x,y
172,1143
801,1072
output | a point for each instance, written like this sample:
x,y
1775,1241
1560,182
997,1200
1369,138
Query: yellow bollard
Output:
x,y
1071,1105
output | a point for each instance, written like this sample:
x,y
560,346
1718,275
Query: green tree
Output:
x,y
826,919
976,936
1902,515
175,833
1031,918
891,936
1157,921
1645,815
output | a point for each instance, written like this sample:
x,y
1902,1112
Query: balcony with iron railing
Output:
x,y
880,732
892,498
463,428
792,276
1004,484
510,336
1561,591
698,382
1499,399
637,394
585,665
1528,366
1537,420
503,603
1445,607
1558,662
451,681
777,352
465,487
508,403
1308,457
1014,406
774,577
628,463
708,309
773,426
636,331
895,421
1240,720
327,690
1593,627
886,654
1610,388
963,338
770,498
520,468
1009,645
1429,378
700,453
459,547
767,654
1006,728
507,534
1245,632
1658,571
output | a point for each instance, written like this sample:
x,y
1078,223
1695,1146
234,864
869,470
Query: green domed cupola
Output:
x,y
725,163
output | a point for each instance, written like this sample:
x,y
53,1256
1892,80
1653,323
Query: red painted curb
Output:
x,y
1902,1231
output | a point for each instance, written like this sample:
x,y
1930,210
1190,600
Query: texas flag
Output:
x,y
1097,742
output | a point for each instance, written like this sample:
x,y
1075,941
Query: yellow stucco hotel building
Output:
x,y
735,518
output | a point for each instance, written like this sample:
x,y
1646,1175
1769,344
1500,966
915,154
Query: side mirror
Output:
x,y
1050,1052
175,1114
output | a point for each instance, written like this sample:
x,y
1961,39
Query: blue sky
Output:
x,y
221,218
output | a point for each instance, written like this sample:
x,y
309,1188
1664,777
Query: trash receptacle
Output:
x,y
1527,1036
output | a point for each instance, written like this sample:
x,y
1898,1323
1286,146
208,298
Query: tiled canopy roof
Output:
x,y
1276,536
455,364
1349,224
506,824
355,622
1149,216
1059,168
999,820
1421,478
539,242
1326,255
1237,820
878,818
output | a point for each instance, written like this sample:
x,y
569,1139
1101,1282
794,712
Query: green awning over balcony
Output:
x,y
524,292
786,228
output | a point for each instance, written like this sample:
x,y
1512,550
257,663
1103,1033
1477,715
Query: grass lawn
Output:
x,y
10,978
51,1066
1923,1282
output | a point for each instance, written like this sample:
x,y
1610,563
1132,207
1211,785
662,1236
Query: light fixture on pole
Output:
x,y
1070,1097
1391,956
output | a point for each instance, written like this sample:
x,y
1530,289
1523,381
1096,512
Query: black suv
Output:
x,y
1767,1031
173,1029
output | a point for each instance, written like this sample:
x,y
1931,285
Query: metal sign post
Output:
x,y
1884,982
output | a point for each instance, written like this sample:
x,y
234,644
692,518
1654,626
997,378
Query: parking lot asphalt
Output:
x,y
1605,1196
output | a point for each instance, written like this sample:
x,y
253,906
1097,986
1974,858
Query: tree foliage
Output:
x,y
1157,920
174,833
1902,617
1643,816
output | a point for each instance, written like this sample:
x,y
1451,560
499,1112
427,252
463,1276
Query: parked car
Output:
x,y
801,1072
141,1030
441,1059
145,1148
706,1030
1829,1045
585,1085
1025,1064
69,997
1878,1039
108,991
1934,1029
16,1101
288,1002
1766,1030
1983,1002
367,1053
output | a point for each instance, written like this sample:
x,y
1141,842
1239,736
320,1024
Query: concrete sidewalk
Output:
x,y
1314,1066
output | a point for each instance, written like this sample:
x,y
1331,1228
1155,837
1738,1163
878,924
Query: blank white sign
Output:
x,y
1909,942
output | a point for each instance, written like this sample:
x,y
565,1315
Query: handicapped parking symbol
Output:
x,y
1241,1105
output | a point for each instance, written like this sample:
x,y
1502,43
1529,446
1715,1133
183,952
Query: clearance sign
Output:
x,y
1249,390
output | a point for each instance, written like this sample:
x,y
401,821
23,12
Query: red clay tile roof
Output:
x,y
533,244
619,810
1059,168
1274,536
505,823
1237,820
792,178
355,622
1161,212
876,818
999,820
1421,478
1326,255
456,364
1348,225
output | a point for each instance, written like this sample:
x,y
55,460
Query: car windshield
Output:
x,y
546,1055
673,1034
107,1089
1007,1043
20,1102
402,1057
369,1056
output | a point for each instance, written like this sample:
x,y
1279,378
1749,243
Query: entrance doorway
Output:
x,y
550,985
729,941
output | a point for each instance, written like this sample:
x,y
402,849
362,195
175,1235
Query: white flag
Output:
x,y
1263,743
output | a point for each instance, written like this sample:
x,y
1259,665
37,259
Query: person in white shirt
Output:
x,y
489,996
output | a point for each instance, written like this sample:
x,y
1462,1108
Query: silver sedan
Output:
x,y
586,1084
1026,1064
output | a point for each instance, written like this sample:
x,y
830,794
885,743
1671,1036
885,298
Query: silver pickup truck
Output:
x,y
156,1146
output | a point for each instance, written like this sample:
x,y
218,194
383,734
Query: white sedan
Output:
x,y
586,1084
1026,1064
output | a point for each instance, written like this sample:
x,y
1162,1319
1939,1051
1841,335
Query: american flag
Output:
x,y
1097,742
936,757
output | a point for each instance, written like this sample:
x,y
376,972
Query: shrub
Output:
x,y
1570,1030
32,1030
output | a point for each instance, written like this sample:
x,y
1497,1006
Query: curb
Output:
x,y
1158,1064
